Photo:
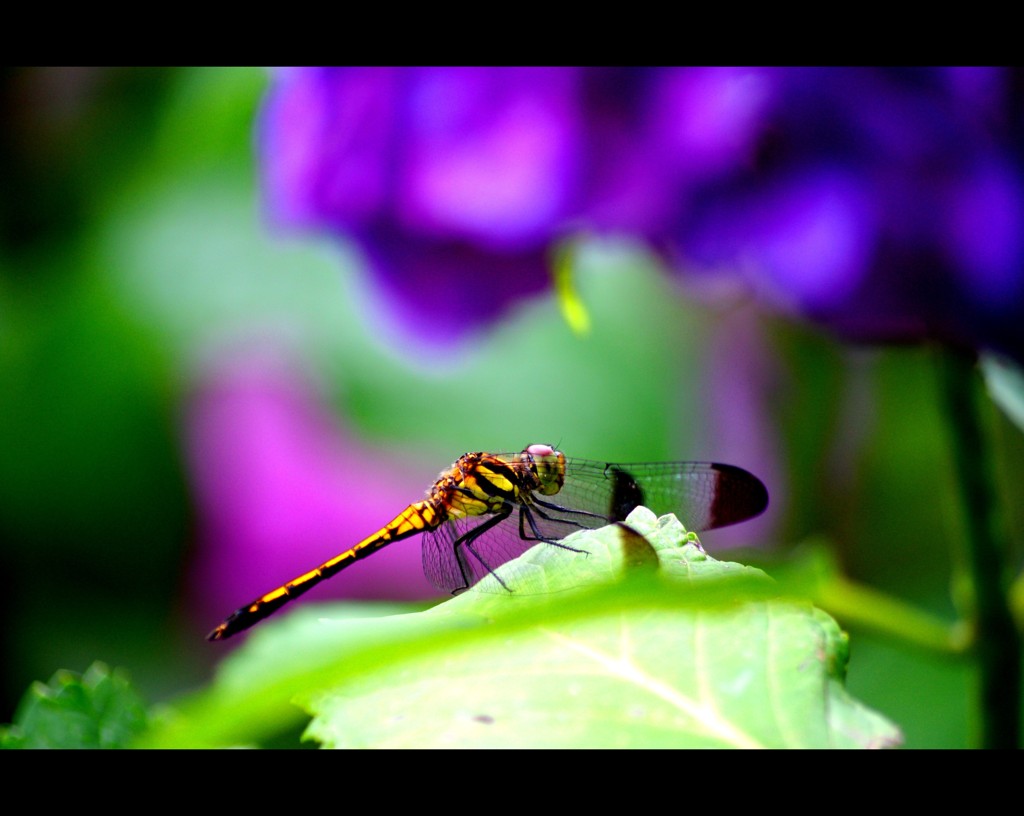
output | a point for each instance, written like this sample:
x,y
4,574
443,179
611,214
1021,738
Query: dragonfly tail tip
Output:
x,y
219,633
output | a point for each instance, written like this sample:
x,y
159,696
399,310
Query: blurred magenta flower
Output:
x,y
280,488
887,204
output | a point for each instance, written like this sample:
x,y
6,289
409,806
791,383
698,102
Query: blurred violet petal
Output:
x,y
438,292
984,233
490,155
804,244
812,239
326,143
280,487
628,193
981,89
706,121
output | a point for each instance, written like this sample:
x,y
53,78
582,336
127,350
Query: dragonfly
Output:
x,y
489,508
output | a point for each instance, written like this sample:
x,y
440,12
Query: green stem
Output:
x,y
997,643
858,605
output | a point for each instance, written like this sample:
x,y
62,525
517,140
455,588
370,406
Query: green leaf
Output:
x,y
716,670
645,641
98,709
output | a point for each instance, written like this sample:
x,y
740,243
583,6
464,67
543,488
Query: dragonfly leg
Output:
x,y
464,543
524,513
568,511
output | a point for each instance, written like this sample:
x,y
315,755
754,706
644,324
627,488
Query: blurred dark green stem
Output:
x,y
997,643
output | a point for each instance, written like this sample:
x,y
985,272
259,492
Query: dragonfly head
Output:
x,y
548,465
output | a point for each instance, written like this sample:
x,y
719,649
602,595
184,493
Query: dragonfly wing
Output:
x,y
703,495
452,568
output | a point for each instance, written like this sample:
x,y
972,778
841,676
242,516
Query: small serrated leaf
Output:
x,y
98,709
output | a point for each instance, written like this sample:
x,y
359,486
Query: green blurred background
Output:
x,y
134,252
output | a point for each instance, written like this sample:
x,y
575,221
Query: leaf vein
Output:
x,y
706,716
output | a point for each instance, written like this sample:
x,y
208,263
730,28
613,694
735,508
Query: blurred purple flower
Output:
x,y
887,204
280,488
455,182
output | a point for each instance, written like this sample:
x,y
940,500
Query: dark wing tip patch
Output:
x,y
739,495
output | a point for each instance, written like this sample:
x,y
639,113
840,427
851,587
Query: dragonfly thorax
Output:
x,y
477,484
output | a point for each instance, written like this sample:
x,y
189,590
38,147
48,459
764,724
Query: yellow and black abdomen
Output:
x,y
416,518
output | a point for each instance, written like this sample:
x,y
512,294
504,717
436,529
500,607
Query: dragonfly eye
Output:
x,y
549,467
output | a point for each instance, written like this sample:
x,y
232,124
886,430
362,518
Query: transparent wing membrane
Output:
x,y
703,495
